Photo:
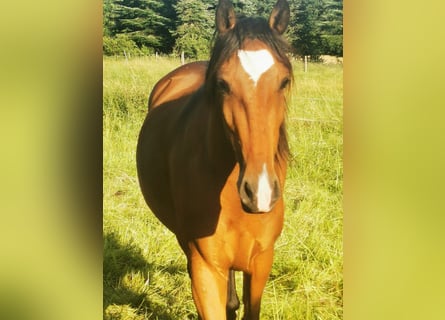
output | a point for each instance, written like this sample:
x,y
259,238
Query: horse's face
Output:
x,y
253,83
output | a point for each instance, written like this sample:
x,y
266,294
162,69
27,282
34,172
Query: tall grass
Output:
x,y
145,274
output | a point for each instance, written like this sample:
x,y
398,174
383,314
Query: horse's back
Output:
x,y
179,83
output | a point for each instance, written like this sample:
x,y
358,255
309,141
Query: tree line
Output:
x,y
175,26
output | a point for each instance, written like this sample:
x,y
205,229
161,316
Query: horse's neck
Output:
x,y
218,146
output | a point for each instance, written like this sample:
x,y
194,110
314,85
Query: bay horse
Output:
x,y
212,156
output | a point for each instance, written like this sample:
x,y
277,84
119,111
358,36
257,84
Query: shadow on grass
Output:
x,y
121,262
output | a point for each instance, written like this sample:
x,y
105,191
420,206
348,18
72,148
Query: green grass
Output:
x,y
145,274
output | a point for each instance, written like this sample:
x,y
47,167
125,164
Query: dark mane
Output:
x,y
246,28
225,46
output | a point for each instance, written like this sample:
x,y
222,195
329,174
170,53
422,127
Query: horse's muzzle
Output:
x,y
259,194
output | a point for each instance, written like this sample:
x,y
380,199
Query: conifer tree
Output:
x,y
306,37
195,27
140,20
331,27
316,26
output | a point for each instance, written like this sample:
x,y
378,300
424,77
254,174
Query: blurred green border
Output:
x,y
394,159
51,160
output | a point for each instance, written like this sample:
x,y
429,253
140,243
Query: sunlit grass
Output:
x,y
145,274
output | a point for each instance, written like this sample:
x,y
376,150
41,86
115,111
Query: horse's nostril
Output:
x,y
247,194
247,190
277,192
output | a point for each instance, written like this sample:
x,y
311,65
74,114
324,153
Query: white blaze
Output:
x,y
255,63
264,194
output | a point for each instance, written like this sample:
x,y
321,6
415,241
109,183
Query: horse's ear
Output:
x,y
279,18
225,16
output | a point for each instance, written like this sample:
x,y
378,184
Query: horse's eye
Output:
x,y
284,83
223,86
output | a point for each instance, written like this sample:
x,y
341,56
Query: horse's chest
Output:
x,y
246,236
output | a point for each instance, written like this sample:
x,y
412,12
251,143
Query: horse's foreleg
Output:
x,y
232,297
209,288
254,284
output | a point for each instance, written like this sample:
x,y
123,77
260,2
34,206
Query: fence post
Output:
x,y
182,58
305,63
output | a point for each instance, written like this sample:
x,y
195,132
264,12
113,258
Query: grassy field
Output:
x,y
145,274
